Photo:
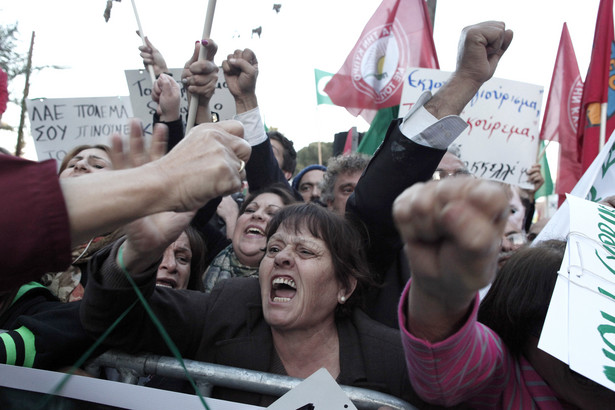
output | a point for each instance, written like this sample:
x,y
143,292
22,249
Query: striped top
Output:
x,y
472,367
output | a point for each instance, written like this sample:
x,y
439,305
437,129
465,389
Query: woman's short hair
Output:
x,y
73,153
281,189
345,243
516,305
197,263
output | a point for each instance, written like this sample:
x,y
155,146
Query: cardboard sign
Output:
x,y
23,387
317,392
222,103
580,324
60,124
501,141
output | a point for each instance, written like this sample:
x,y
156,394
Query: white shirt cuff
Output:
x,y
253,128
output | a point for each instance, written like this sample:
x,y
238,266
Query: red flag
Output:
x,y
562,114
396,37
598,88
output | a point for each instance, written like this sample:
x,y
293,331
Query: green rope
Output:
x,y
83,358
159,326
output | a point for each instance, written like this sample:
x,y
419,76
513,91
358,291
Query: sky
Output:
x,y
304,35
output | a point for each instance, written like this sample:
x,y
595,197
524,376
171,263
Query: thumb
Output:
x,y
195,54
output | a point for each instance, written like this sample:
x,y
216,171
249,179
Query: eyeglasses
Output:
x,y
441,174
517,239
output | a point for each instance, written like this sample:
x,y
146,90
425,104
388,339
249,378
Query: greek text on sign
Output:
x,y
501,140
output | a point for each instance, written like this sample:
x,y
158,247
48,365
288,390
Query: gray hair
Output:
x,y
342,164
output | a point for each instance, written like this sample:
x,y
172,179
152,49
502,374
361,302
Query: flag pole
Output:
x,y
150,68
194,99
543,151
603,108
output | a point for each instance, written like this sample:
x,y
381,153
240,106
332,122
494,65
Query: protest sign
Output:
x,y
59,124
23,387
222,104
320,391
501,141
580,323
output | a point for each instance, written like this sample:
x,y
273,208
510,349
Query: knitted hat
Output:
x,y
297,178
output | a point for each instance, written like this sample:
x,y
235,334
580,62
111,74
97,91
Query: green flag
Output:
x,y
547,188
377,130
322,78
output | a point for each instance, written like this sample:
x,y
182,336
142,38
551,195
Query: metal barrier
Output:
x,y
207,375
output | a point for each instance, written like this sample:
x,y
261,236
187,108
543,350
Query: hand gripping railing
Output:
x,y
207,375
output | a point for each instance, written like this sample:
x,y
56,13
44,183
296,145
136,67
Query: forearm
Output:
x,y
435,317
102,202
245,103
452,98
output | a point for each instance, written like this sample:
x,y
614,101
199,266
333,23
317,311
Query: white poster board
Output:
x,y
26,388
502,138
320,391
139,83
59,124
580,325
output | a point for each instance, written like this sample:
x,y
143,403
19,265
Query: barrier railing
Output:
x,y
207,375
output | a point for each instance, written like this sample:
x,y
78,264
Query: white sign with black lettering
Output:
x,y
59,124
139,83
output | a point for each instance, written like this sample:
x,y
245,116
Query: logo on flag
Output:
x,y
379,62
574,103
322,78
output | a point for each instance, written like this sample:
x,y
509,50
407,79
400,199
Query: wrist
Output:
x,y
246,103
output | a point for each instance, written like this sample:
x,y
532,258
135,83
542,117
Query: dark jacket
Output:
x,y
397,164
227,327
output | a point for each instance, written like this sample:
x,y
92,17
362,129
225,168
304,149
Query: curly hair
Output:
x,y
342,164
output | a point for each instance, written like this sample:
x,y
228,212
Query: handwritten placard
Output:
x,y
501,141
222,104
59,124
580,324
320,391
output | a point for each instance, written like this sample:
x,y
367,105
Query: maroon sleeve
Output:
x,y
4,92
34,225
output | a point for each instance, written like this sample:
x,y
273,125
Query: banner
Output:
x,y
59,124
397,36
222,104
501,141
599,87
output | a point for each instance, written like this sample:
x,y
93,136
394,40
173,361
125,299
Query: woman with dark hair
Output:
x,y
181,266
298,316
242,256
451,230
84,159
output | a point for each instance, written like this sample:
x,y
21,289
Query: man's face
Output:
x,y
344,186
309,186
278,153
450,165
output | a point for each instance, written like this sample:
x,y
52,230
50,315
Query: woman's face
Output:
x,y
249,236
299,289
174,270
87,161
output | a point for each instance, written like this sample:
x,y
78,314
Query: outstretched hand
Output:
x,y
135,154
452,230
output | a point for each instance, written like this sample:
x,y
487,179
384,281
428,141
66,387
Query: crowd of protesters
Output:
x,y
400,273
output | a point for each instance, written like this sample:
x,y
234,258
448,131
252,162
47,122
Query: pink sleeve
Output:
x,y
33,221
471,364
